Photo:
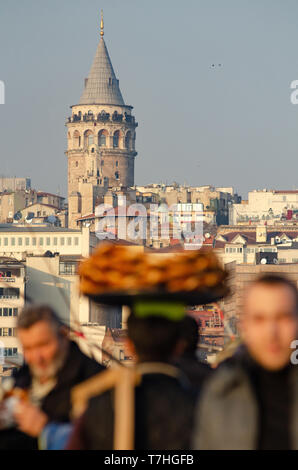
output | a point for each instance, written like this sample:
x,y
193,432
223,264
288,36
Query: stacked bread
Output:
x,y
121,268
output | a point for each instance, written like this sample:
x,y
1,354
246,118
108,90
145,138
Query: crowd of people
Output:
x,y
249,401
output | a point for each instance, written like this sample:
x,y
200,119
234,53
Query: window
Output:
x,y
102,138
68,241
76,241
9,293
15,312
55,242
116,163
117,175
5,241
48,241
41,241
116,137
10,352
20,241
7,331
127,140
92,150
13,241
68,267
27,241
34,241
62,241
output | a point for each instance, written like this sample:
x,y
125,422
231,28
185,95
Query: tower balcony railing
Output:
x,y
103,118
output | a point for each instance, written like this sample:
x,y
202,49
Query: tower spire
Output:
x,y
101,25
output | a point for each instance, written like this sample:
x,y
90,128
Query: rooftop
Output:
x,y
102,86
32,228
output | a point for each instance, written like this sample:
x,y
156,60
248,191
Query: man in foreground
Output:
x,y
164,402
196,371
53,365
251,402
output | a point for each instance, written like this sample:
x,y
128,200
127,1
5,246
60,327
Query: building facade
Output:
x,y
12,300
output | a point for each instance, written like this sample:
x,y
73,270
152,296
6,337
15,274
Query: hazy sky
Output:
x,y
232,124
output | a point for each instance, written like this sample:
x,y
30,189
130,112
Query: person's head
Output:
x,y
44,339
153,338
189,335
269,321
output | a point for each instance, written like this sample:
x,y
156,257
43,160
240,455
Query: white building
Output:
x,y
264,205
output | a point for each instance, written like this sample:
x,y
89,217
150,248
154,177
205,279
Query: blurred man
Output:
x,y
252,401
164,403
53,365
197,372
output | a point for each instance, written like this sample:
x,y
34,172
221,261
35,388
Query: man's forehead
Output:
x,y
260,293
36,329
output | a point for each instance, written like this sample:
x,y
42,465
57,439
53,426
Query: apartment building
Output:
x,y
12,300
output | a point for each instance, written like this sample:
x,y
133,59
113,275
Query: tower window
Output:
x,y
77,164
92,150
88,138
102,138
117,175
76,139
128,140
116,139
116,163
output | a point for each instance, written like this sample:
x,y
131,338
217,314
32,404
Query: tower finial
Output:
x,y
101,25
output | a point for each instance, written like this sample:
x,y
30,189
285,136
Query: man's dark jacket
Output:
x,y
164,411
57,405
230,412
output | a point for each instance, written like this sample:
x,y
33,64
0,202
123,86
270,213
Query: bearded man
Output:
x,y
53,365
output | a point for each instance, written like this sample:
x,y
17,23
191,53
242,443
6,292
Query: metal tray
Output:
x,y
199,297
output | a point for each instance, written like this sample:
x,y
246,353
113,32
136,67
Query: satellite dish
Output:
x,y
207,235
263,261
29,217
17,216
52,219
275,261
88,224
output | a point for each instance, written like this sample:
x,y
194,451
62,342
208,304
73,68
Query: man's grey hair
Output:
x,y
29,316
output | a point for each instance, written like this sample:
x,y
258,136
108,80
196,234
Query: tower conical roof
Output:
x,y
102,86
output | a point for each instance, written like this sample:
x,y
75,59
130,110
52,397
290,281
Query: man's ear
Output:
x,y
179,348
64,331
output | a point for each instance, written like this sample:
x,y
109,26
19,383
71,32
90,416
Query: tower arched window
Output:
x,y
102,138
116,138
76,139
88,138
128,140
117,175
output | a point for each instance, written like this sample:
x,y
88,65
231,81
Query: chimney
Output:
x,y
261,234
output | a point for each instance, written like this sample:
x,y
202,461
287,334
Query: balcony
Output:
x,y
103,118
